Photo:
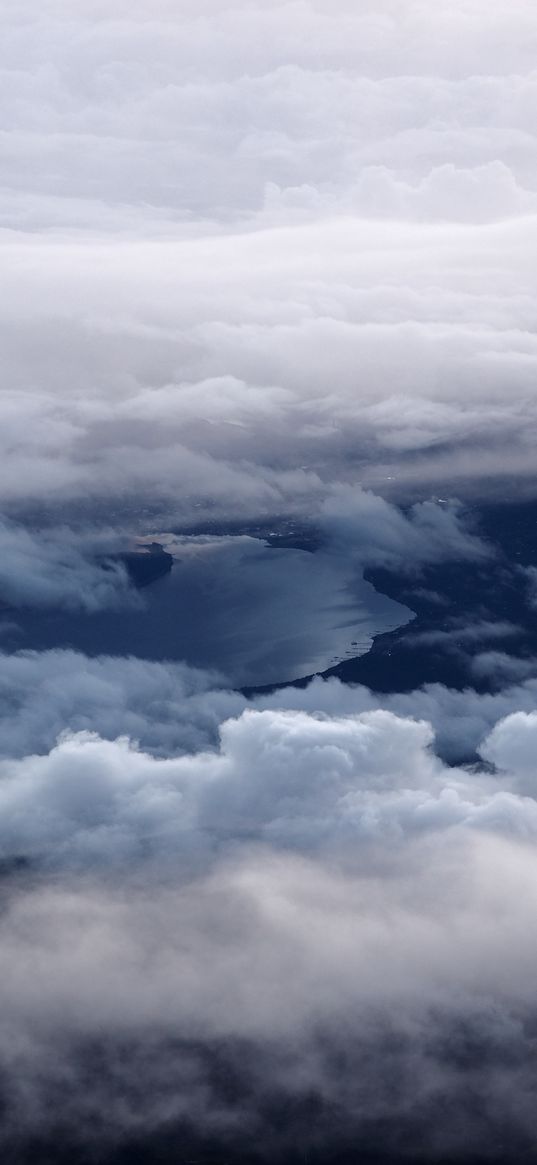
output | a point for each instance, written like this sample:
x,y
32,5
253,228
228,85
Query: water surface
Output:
x,y
256,614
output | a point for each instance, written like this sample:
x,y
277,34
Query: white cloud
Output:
x,y
194,110
286,778
253,370
167,707
320,903
241,239
511,746
171,708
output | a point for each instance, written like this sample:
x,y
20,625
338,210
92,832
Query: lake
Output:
x,y
256,614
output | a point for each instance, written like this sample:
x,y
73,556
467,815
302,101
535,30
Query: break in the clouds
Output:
x,y
251,250
231,604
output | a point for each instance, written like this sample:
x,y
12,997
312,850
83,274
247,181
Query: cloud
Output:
x,y
167,707
311,910
251,371
263,260
54,568
511,745
192,114
249,252
360,523
170,708
457,634
502,669
283,778
258,1001
461,719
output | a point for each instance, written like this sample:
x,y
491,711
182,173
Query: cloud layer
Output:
x,y
170,708
252,371
285,778
264,261
319,898
249,251
120,117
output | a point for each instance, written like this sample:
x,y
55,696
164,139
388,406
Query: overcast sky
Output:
x,y
251,250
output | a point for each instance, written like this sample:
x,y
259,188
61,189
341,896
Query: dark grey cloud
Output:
x,y
391,997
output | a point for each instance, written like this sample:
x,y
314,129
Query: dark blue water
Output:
x,y
255,614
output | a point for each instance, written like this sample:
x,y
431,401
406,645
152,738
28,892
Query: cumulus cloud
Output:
x,y
171,708
310,910
461,719
278,958
511,745
166,707
285,778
